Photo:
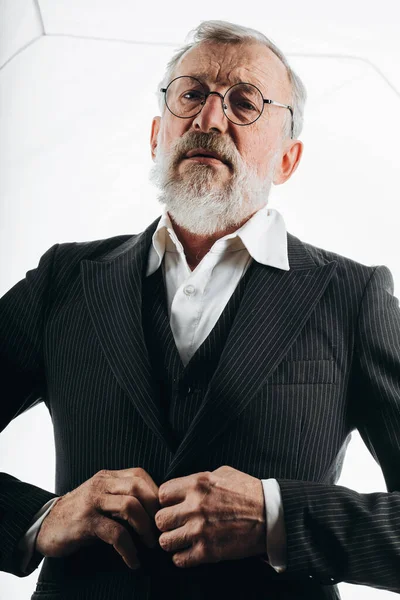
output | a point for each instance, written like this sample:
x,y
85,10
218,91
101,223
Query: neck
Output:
x,y
197,246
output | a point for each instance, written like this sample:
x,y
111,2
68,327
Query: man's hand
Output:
x,y
86,514
212,516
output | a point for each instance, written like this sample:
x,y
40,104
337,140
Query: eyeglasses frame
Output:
x,y
210,93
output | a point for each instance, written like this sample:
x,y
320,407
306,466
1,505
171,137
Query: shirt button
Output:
x,y
189,290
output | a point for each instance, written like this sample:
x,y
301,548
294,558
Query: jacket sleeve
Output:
x,y
22,319
333,533
29,556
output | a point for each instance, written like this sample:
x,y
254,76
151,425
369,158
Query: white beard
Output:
x,y
194,201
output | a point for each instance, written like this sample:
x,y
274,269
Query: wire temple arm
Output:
x,y
267,101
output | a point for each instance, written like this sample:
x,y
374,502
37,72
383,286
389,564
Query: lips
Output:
x,y
205,153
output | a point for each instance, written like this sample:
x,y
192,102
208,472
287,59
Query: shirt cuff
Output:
x,y
275,525
29,560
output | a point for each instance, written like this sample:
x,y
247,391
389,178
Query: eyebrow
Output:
x,y
203,76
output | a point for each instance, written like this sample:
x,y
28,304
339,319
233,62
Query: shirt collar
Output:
x,y
263,235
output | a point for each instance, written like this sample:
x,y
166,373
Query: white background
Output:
x,y
77,94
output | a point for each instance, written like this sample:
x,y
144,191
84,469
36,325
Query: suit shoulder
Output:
x,y
67,256
322,256
356,275
91,250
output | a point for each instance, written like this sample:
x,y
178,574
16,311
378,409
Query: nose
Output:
x,y
211,117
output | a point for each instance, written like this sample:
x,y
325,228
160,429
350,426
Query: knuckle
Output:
x,y
97,479
162,494
102,473
160,520
181,561
135,486
203,482
130,505
199,510
223,469
138,472
165,543
198,531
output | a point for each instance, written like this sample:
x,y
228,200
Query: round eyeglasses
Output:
x,y
242,103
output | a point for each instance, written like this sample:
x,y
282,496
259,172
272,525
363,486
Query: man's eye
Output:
x,y
193,95
245,105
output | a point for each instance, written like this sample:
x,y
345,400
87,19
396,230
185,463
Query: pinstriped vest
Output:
x,y
181,389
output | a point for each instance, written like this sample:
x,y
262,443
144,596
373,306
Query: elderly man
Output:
x,y
203,377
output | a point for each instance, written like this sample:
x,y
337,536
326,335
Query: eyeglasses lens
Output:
x,y
185,98
245,103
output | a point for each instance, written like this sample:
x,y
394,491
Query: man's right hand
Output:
x,y
85,515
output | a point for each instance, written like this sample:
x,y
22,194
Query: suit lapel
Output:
x,y
274,309
113,292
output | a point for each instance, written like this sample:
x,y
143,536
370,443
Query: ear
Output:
x,y
155,128
289,162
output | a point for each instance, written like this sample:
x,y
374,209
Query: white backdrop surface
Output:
x,y
77,94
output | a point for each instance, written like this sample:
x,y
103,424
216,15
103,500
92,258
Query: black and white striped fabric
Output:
x,y
181,389
312,353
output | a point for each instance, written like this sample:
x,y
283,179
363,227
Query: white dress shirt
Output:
x,y
195,301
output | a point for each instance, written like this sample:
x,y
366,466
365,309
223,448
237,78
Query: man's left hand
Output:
x,y
212,516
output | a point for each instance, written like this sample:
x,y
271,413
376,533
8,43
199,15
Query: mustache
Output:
x,y
213,142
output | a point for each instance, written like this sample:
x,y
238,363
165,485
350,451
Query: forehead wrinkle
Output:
x,y
230,78
225,64
204,76
214,64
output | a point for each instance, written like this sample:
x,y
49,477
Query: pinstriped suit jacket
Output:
x,y
313,353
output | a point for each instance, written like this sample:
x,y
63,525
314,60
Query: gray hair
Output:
x,y
225,32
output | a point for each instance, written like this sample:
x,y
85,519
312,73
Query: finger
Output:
x,y
142,474
191,557
117,536
131,485
176,540
171,517
130,509
175,490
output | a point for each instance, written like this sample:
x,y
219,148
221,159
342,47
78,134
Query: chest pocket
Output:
x,y
306,372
